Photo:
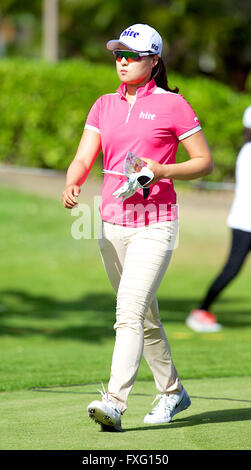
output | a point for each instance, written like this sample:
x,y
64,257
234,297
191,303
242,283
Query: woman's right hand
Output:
x,y
69,196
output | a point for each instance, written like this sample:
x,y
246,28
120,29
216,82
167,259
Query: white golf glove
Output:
x,y
135,181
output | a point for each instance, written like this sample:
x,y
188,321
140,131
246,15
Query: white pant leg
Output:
x,y
136,261
158,354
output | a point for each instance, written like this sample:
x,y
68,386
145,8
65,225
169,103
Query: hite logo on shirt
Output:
x,y
147,116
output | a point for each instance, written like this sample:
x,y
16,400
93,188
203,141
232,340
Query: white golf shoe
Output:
x,y
105,413
167,407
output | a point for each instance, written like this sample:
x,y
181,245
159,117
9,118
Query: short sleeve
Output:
x,y
92,121
185,121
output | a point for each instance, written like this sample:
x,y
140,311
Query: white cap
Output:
x,y
247,117
138,37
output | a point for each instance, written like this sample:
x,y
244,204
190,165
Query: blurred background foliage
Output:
x,y
211,38
43,108
43,105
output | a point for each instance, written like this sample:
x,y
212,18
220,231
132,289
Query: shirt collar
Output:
x,y
142,91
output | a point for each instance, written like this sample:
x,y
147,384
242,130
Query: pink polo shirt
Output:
x,y
151,128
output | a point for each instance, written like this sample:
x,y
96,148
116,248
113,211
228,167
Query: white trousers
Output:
x,y
136,260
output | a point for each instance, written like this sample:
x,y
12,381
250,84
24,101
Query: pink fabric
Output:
x,y
151,128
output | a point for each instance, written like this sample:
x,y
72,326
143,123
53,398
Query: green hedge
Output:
x,y
43,108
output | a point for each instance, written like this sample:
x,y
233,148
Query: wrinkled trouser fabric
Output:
x,y
136,260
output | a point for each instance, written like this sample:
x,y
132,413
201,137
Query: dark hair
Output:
x,y
247,134
160,76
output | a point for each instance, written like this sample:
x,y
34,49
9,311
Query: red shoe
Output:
x,y
203,321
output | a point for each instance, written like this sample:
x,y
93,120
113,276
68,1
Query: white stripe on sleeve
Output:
x,y
188,133
92,128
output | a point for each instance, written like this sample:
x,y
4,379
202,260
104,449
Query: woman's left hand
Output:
x,y
156,168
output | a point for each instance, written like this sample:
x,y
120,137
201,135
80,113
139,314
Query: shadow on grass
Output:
x,y
97,312
62,389
207,417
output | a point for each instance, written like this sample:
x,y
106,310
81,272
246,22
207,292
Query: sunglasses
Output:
x,y
130,56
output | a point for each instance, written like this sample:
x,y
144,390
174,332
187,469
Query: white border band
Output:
x,y
188,133
92,128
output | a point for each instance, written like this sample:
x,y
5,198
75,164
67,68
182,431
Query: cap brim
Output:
x,y
114,44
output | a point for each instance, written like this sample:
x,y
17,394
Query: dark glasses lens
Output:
x,y
128,55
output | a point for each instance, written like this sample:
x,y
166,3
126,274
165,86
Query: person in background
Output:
x,y
146,119
202,319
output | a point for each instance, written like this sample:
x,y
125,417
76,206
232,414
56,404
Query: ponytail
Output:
x,y
160,77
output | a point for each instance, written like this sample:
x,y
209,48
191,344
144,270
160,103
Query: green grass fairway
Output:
x,y
55,418
57,311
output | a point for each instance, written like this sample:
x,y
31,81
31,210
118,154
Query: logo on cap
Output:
x,y
130,32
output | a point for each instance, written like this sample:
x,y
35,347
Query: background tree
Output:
x,y
211,38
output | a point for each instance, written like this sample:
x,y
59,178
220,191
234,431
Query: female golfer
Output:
x,y
142,121
239,221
